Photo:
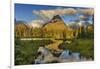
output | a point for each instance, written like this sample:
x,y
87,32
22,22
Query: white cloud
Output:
x,y
48,14
86,11
36,23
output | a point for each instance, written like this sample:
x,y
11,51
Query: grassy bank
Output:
x,y
84,46
25,51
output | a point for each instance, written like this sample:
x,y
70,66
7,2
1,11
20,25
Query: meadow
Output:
x,y
84,46
26,50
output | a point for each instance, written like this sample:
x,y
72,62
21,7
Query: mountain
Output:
x,y
56,23
57,28
56,18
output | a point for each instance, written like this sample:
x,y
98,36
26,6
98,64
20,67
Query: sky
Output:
x,y
31,12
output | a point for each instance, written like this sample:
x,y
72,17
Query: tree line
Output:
x,y
23,31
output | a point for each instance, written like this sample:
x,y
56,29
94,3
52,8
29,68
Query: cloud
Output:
x,y
86,11
82,17
36,23
70,11
46,15
40,15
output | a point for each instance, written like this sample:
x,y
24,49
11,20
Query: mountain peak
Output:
x,y
56,18
57,22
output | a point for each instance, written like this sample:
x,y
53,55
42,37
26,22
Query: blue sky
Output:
x,y
24,12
